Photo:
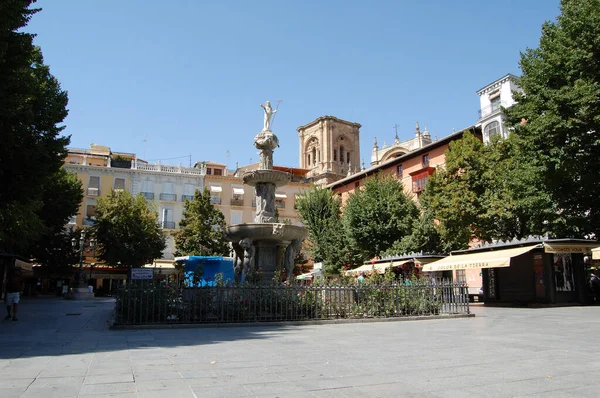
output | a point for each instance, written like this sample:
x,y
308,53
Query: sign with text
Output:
x,y
142,273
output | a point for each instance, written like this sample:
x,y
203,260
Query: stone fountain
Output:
x,y
265,244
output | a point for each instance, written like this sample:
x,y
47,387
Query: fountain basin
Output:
x,y
275,177
275,232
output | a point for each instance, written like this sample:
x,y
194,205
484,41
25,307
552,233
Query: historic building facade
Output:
x,y
329,149
492,98
397,148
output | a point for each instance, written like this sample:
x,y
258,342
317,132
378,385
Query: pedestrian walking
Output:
x,y
14,285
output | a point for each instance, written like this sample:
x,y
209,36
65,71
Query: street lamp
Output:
x,y
81,247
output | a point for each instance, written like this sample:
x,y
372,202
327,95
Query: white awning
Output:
x,y
216,188
238,191
489,259
377,267
570,247
596,253
280,195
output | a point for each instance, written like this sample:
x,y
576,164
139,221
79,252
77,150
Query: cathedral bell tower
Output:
x,y
329,148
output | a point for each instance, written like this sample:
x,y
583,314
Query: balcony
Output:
x,y
215,200
148,195
280,204
167,224
93,192
491,109
237,202
89,221
168,197
187,197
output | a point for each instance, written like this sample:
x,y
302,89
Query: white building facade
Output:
x,y
492,98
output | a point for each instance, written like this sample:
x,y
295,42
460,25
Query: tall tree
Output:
x,y
202,227
424,238
320,213
378,214
557,116
32,107
127,230
62,196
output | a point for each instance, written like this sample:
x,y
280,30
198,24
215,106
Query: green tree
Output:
x,y
488,192
61,198
557,116
127,230
32,107
202,227
320,213
424,238
378,214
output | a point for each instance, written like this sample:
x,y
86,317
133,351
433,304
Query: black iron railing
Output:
x,y
152,303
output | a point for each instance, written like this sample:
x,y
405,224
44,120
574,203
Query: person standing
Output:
x,y
14,285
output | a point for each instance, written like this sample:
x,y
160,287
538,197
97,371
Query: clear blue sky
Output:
x,y
190,75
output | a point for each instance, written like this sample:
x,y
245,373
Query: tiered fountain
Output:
x,y
265,244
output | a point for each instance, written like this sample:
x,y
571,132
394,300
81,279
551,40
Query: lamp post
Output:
x,y
81,246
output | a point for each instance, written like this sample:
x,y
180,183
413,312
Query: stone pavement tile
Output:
x,y
284,387
113,378
172,393
300,394
527,387
144,376
321,383
51,392
196,373
10,373
394,390
11,392
347,392
156,385
16,383
107,388
220,392
108,370
63,372
204,382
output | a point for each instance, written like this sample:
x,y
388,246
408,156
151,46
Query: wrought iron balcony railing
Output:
x,y
168,197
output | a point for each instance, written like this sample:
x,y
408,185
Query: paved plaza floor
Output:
x,y
64,348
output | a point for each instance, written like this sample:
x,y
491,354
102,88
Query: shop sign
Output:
x,y
142,274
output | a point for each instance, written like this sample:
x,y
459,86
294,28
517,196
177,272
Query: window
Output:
x,y
341,154
335,154
93,186
168,192
492,129
188,192
148,189
167,218
419,184
348,157
208,171
426,160
461,276
280,198
236,217
215,194
218,172
495,103
237,198
314,155
90,214
309,159
119,184
399,171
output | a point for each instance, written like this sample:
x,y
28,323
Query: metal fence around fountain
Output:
x,y
149,303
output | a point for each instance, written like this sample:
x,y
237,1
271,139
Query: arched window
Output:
x,y
334,155
492,129
341,153
314,155
347,157
309,159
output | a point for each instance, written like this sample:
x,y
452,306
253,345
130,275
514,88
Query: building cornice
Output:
x,y
391,162
327,117
496,84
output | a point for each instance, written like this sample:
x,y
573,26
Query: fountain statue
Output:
x,y
265,244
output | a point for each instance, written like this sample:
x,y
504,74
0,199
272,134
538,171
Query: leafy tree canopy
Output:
x,y
202,227
127,230
561,106
378,214
319,211
32,107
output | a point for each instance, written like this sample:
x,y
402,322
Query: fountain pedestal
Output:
x,y
265,245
